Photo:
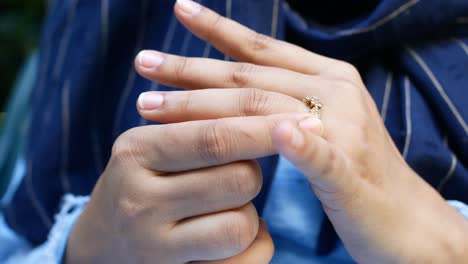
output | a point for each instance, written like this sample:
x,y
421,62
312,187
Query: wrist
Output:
x,y
423,229
441,246
443,232
88,241
82,245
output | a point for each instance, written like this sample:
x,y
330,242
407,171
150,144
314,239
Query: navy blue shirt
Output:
x,y
413,56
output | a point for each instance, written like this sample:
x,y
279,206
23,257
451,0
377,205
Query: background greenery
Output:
x,y
20,26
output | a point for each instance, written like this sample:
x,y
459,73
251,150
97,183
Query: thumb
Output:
x,y
325,166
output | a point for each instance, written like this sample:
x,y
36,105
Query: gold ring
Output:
x,y
313,102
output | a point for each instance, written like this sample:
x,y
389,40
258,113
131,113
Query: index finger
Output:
x,y
199,144
244,44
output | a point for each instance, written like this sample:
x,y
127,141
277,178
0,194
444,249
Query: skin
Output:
x,y
157,202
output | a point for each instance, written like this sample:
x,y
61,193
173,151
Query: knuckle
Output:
x,y
133,200
359,127
240,231
214,26
242,74
127,208
352,91
180,68
348,71
127,148
215,143
358,145
330,164
313,153
247,180
360,132
258,42
253,102
186,105
345,85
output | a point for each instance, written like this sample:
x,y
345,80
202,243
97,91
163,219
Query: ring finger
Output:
x,y
180,106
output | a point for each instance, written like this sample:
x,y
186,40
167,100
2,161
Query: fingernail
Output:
x,y
150,59
150,101
188,6
312,124
297,139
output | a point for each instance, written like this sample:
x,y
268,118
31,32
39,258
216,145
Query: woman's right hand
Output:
x,y
179,193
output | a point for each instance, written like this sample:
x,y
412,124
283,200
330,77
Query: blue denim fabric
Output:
x,y
412,55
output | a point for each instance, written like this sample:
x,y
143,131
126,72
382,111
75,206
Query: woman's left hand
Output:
x,y
381,209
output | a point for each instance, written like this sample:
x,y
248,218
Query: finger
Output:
x,y
326,167
244,44
198,144
217,236
210,190
260,252
171,107
191,73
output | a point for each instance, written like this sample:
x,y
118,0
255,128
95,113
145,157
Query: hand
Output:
x,y
179,193
378,205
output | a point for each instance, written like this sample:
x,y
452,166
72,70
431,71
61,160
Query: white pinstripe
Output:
x,y
43,67
299,18
185,43
274,19
45,219
445,141
439,87
65,136
45,58
462,20
449,173
94,135
122,102
64,41
104,26
462,45
407,117
386,98
63,46
228,15
29,185
132,73
168,39
229,8
97,154
207,50
375,25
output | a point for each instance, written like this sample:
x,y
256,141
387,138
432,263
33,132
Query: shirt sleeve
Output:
x,y
14,249
460,207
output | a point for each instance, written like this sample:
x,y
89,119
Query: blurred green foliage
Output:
x,y
20,26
